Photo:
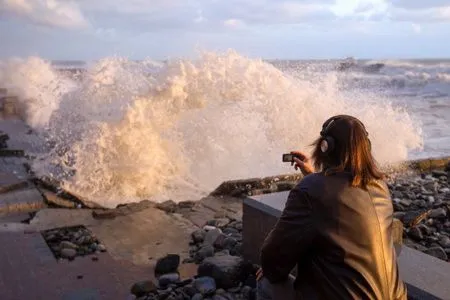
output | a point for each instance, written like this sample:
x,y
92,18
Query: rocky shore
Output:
x,y
421,202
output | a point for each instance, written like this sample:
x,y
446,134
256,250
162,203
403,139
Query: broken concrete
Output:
x,y
10,182
26,200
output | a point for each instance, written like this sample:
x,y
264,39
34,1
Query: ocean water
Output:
x,y
117,131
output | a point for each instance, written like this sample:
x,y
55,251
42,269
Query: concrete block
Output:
x,y
9,105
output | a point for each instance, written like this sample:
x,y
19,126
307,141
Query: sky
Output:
x,y
270,29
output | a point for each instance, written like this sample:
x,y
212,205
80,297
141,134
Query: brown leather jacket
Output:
x,y
340,239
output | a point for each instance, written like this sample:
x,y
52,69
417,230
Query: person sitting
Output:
x,y
336,226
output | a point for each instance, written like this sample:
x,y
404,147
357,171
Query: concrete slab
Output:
x,y
427,277
26,200
30,271
53,199
54,218
145,236
20,137
230,207
9,182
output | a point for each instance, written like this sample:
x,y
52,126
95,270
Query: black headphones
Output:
x,y
327,144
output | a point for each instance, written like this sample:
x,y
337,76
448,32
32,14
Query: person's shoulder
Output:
x,y
380,184
311,182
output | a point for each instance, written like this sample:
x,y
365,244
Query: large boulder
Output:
x,y
167,264
226,270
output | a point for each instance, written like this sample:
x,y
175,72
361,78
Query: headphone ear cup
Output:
x,y
327,144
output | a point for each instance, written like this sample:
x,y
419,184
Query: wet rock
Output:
x,y
218,223
167,264
438,173
415,233
413,218
189,290
168,206
68,245
208,228
225,269
285,185
101,248
204,252
405,202
142,288
438,213
230,230
437,252
197,297
167,279
205,285
218,244
246,290
425,229
212,235
399,215
198,236
238,225
68,253
444,241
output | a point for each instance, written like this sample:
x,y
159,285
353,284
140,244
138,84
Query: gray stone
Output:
x,y
198,236
437,252
425,229
142,288
68,245
167,264
197,297
68,253
208,228
212,235
167,279
101,248
230,230
220,291
415,233
238,225
204,252
444,190
246,290
205,285
168,206
438,173
225,269
221,222
189,290
438,213
405,202
444,241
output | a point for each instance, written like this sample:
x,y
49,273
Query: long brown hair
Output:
x,y
351,151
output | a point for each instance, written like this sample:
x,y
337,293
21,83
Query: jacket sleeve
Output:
x,y
292,235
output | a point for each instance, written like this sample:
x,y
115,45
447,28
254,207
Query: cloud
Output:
x,y
419,4
416,28
429,15
51,13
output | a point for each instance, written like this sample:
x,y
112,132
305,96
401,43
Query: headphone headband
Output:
x,y
328,124
327,143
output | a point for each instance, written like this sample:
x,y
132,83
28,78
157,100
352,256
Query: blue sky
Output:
x,y
159,29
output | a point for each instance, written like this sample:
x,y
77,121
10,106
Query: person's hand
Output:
x,y
302,162
259,274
